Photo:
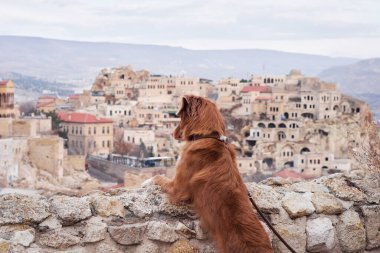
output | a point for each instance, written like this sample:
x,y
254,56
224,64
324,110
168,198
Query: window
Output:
x,y
326,159
103,130
103,144
89,130
94,130
108,144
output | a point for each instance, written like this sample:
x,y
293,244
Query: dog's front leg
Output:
x,y
165,183
176,196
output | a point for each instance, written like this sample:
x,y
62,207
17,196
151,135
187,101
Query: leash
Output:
x,y
269,224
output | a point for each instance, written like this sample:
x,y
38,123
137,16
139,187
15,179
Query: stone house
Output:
x,y
87,133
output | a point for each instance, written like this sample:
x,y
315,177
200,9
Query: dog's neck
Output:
x,y
215,136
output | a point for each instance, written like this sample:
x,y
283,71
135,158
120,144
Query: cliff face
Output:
x,y
340,213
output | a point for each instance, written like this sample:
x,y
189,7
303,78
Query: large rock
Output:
x,y
173,210
370,185
51,222
107,206
326,203
17,208
344,189
308,187
142,202
94,230
182,246
59,238
201,234
351,232
294,234
71,209
128,234
19,234
297,205
161,231
320,235
372,223
183,230
149,246
267,199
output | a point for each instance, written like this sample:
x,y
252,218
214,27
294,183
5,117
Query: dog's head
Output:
x,y
199,116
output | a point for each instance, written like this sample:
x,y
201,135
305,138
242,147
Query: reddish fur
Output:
x,y
207,177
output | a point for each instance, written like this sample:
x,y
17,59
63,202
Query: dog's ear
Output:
x,y
184,106
190,105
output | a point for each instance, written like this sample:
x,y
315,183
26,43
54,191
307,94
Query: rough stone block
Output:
x,y
128,234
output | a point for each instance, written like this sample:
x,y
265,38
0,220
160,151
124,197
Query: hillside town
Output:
x,y
120,131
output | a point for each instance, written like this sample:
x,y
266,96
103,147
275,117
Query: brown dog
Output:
x,y
208,179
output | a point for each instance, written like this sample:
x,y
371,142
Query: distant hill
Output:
x,y
357,78
79,62
30,88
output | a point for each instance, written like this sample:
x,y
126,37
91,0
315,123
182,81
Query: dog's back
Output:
x,y
220,198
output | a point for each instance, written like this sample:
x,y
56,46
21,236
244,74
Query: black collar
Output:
x,y
218,137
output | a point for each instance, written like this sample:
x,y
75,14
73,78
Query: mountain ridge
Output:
x,y
78,62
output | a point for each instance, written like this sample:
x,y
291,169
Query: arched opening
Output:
x,y
308,115
281,136
325,167
251,143
262,125
304,150
289,164
357,110
286,116
248,153
336,108
281,125
271,125
268,163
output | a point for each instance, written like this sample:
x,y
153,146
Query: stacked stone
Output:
x,y
331,214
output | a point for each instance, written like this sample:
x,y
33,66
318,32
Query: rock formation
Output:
x,y
339,213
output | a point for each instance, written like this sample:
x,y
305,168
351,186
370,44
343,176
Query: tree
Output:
x,y
120,146
27,108
54,119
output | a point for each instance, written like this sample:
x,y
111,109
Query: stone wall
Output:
x,y
340,213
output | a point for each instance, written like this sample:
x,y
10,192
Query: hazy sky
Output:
x,y
329,27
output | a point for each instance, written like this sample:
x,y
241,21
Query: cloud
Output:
x,y
212,22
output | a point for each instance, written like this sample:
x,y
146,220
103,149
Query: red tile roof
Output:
x,y
288,173
47,97
255,88
39,104
77,117
74,96
4,82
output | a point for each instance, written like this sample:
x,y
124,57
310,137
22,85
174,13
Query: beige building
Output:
x,y
139,136
47,153
86,133
7,99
